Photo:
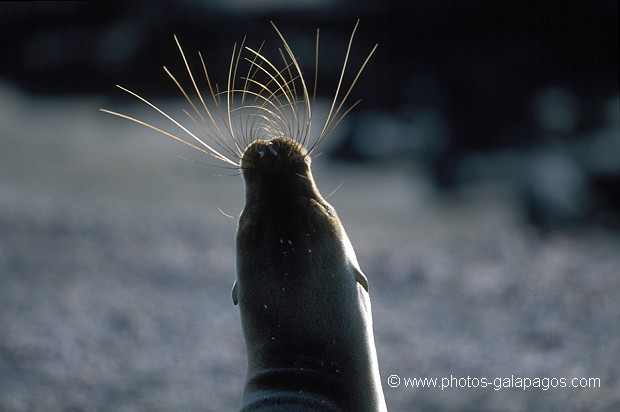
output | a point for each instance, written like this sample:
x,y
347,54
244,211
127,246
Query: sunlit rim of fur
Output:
x,y
272,102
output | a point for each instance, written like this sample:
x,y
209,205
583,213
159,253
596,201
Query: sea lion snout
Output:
x,y
262,152
277,169
269,154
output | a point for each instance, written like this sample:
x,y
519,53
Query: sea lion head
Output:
x,y
277,169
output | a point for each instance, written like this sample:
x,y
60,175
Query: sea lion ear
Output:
x,y
234,292
361,278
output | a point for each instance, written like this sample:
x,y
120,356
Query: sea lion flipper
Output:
x,y
234,292
361,278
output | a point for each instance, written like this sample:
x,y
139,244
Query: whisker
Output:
x,y
346,96
248,124
272,99
316,66
225,214
219,141
222,141
211,151
217,133
293,91
334,191
198,162
218,105
329,125
214,154
281,84
306,97
232,73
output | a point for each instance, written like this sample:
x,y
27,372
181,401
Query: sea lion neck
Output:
x,y
277,172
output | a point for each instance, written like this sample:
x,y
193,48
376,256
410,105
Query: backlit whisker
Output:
x,y
269,99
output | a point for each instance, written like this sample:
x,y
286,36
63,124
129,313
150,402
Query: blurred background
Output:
x,y
481,191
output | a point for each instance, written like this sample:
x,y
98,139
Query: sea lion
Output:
x,y
304,302
303,299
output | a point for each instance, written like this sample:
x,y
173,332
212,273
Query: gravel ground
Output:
x,y
116,269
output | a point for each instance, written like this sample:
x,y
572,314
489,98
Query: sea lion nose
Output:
x,y
269,150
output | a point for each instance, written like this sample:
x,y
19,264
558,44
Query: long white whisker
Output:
x,y
344,67
301,78
273,100
294,109
316,66
232,72
213,152
217,133
346,96
247,122
219,141
282,85
332,118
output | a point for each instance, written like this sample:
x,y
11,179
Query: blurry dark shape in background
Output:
x,y
520,94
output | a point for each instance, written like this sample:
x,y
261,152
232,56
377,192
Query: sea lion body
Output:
x,y
304,302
